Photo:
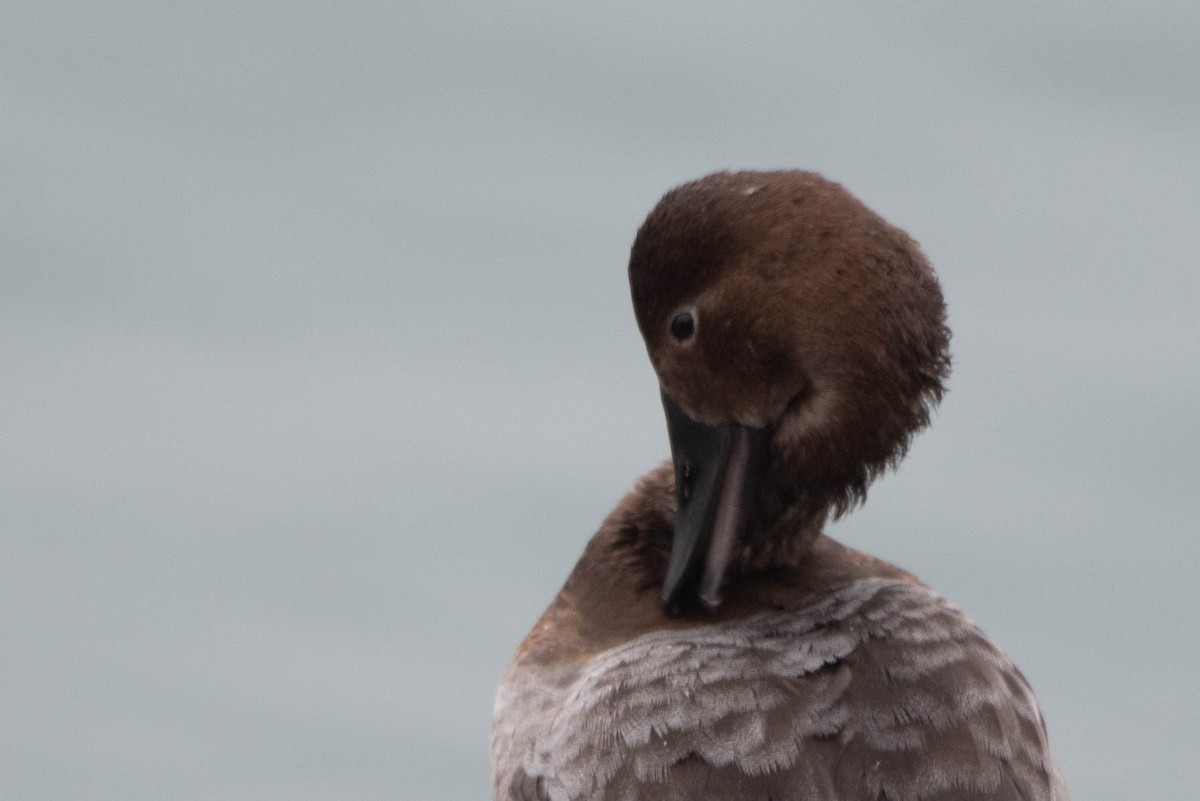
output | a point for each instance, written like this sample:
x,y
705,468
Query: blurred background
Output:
x,y
318,369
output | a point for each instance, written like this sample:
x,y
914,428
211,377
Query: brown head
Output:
x,y
800,342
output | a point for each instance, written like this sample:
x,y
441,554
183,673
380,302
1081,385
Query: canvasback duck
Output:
x,y
712,642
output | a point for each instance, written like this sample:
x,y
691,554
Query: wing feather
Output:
x,y
880,690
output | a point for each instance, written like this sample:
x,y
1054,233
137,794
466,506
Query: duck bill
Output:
x,y
717,472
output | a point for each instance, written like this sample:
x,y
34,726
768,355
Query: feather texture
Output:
x,y
881,689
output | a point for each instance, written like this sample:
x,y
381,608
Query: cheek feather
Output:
x,y
807,415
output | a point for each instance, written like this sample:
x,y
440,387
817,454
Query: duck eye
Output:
x,y
683,326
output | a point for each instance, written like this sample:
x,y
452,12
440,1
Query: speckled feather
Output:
x,y
881,689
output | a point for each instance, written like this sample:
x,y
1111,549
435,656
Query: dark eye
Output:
x,y
683,326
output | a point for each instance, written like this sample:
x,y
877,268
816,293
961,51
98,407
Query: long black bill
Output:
x,y
717,472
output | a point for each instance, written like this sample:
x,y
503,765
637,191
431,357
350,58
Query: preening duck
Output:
x,y
712,642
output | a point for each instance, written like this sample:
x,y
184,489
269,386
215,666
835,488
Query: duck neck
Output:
x,y
781,542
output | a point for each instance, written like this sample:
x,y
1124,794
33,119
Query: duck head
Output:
x,y
799,341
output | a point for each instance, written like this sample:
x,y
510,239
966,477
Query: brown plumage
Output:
x,y
775,308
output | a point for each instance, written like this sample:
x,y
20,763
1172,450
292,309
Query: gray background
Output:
x,y
317,366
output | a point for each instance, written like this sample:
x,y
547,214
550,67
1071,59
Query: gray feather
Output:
x,y
880,690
